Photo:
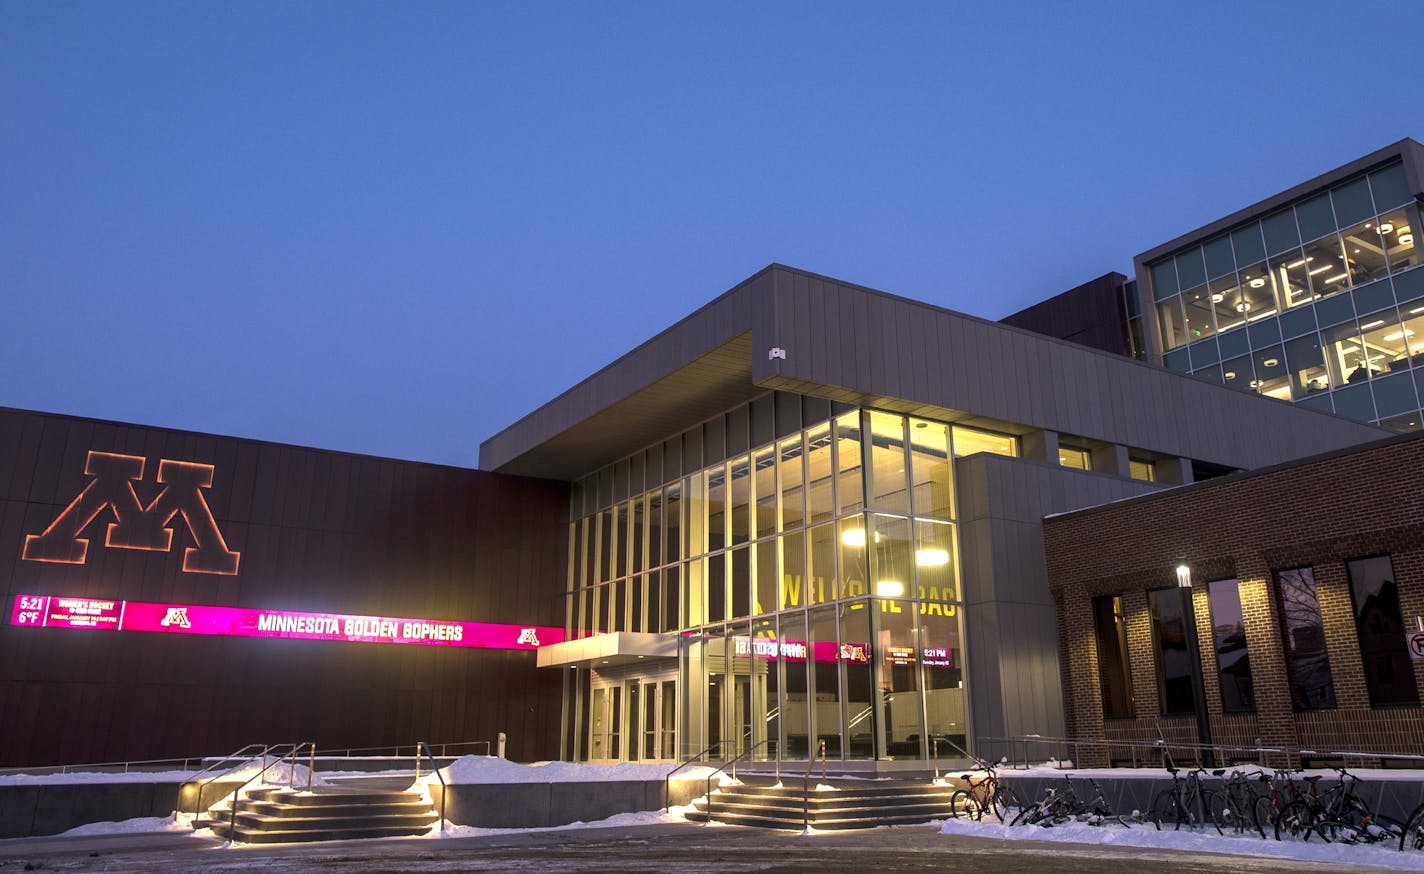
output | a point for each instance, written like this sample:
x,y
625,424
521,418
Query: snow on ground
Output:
x,y
1385,856
96,777
491,769
174,822
619,820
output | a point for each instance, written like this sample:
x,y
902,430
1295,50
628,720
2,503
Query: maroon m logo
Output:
x,y
138,526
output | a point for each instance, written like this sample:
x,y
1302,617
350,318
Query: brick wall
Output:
x,y
1320,512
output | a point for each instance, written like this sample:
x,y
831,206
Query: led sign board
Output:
x,y
54,611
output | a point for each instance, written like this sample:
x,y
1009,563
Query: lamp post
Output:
x,y
1189,622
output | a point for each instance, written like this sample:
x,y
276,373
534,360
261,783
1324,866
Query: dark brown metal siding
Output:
x,y
318,531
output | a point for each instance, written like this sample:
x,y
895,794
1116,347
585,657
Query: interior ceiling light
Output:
x,y
853,537
1242,307
1406,239
889,588
1256,383
1258,282
1319,270
1218,297
1271,362
930,557
1386,228
1375,324
1333,279
1230,374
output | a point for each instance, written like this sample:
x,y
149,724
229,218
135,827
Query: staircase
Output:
x,y
845,807
325,814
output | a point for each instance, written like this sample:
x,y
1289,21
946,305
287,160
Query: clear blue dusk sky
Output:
x,y
395,228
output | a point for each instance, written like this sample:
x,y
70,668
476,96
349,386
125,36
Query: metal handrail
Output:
x,y
435,766
936,740
398,750
667,778
1160,749
126,764
733,764
806,786
237,793
249,751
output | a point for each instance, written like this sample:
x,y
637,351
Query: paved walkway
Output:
x,y
677,848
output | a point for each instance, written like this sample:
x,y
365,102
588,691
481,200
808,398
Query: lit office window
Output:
x,y
1142,470
1174,667
1307,662
968,441
1114,677
1233,661
1388,672
1078,459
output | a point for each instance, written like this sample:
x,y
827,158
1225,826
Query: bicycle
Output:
x,y
1348,818
1059,806
1185,804
987,794
1234,805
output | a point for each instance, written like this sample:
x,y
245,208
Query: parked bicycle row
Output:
x,y
1274,805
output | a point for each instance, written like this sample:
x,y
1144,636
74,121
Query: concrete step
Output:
x,y
852,807
325,814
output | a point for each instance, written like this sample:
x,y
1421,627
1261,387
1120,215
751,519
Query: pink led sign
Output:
x,y
53,611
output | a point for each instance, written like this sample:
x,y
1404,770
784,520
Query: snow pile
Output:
x,y
492,769
96,777
174,822
1345,855
616,821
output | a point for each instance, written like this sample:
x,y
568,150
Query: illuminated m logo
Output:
x,y
136,525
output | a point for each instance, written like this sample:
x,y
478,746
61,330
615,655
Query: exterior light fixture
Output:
x,y
1184,577
889,588
931,557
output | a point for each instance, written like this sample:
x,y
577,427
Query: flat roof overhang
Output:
x,y
618,648
789,330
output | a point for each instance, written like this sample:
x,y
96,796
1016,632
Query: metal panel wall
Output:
x,y
317,531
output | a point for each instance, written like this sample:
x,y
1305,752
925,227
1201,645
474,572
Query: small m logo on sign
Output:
x,y
138,525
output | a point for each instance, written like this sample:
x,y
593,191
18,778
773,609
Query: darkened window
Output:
x,y
1388,672
1174,667
1113,673
1307,662
1228,633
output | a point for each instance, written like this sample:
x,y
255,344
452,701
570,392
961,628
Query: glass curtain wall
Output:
x,y
1318,303
806,556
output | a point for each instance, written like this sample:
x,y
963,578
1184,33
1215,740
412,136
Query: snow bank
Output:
x,y
619,820
96,777
492,769
1346,856
174,822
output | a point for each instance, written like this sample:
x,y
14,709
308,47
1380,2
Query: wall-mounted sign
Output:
x,y
53,611
133,524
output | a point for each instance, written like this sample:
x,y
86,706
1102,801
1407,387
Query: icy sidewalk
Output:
x,y
1344,855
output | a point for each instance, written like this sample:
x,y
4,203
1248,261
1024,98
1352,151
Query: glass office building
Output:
x,y
805,557
1313,296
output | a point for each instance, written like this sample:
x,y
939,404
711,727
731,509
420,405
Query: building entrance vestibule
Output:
x,y
633,719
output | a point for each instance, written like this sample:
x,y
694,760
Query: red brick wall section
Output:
x,y
1321,513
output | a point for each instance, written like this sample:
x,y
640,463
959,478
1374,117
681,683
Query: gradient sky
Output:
x,y
396,228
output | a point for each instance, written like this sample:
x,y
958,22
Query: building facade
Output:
x,y
1306,589
1311,296
810,514
177,594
